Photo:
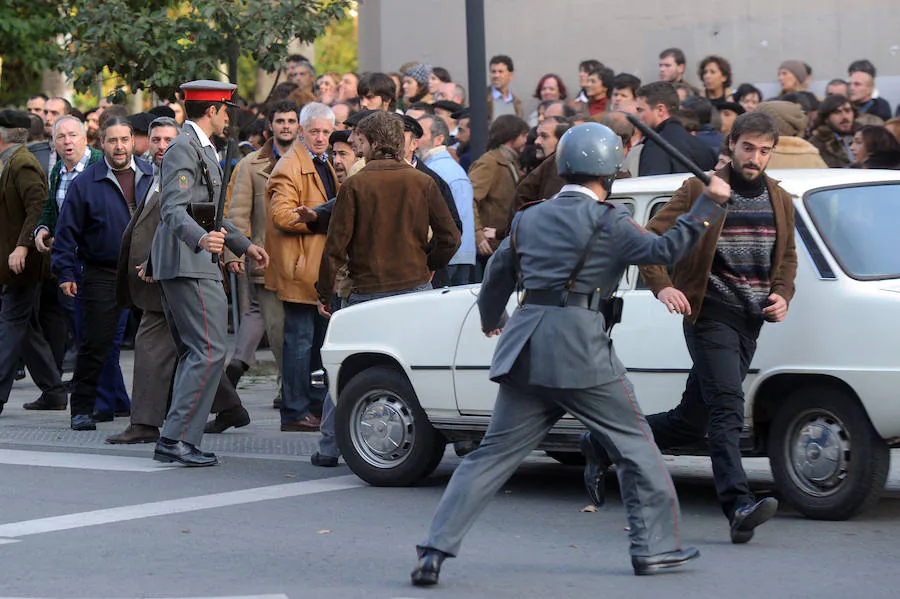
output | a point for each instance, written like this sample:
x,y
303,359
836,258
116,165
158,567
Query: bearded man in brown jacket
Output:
x,y
390,254
739,275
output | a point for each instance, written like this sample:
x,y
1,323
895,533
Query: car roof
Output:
x,y
794,181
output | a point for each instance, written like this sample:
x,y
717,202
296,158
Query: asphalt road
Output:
x,y
88,520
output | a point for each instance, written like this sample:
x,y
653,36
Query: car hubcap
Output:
x,y
819,452
382,429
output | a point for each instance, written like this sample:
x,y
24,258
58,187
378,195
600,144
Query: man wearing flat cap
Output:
x,y
181,259
23,189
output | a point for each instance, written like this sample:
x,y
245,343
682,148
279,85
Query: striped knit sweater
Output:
x,y
740,278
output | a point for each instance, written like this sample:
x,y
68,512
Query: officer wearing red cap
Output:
x,y
193,299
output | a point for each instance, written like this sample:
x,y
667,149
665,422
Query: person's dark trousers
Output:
x,y
441,278
112,395
20,335
461,274
480,265
712,406
303,331
97,294
57,324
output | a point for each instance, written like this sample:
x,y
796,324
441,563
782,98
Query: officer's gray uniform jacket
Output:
x,y
175,251
568,347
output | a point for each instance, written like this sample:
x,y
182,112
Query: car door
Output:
x,y
649,341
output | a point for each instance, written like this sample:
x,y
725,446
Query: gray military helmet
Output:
x,y
589,149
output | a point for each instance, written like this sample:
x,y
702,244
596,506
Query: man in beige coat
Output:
x,y
247,210
304,177
792,150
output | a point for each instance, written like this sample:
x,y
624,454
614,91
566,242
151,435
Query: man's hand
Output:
x,y
43,241
325,312
674,300
236,266
143,276
69,289
492,333
489,232
484,248
718,190
259,255
776,310
16,260
305,215
214,241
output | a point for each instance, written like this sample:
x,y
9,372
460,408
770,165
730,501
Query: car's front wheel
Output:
x,y
382,431
827,459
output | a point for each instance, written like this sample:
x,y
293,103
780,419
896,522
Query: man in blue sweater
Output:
x,y
98,207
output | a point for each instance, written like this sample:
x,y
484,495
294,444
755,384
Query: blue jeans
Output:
x,y
304,331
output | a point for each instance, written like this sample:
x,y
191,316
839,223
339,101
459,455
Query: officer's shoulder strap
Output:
x,y
528,205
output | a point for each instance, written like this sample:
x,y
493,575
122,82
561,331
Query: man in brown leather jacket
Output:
x,y
740,275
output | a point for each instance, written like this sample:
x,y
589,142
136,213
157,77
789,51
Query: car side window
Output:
x,y
655,206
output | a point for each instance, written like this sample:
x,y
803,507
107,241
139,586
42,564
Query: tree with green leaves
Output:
x,y
28,33
159,44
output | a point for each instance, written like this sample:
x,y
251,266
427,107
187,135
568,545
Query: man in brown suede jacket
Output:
x,y
398,205
738,276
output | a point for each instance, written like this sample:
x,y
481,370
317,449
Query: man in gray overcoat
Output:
x,y
555,354
180,259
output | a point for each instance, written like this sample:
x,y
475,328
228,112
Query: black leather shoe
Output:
x,y
325,461
103,416
644,565
42,403
748,517
428,569
224,420
83,422
595,468
183,453
234,371
276,403
20,373
123,413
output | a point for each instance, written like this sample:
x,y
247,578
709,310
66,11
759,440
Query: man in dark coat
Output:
x,y
23,189
655,104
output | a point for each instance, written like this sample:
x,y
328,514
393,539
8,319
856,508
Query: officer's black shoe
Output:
x,y
20,373
233,417
429,567
83,422
323,461
750,516
182,452
594,471
644,565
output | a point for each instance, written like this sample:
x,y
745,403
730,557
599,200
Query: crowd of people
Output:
x,y
312,169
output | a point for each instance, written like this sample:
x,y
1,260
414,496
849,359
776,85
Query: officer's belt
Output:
x,y
564,299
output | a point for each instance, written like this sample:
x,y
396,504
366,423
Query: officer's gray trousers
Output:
x,y
197,313
522,417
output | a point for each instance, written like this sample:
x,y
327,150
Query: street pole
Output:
x,y
476,51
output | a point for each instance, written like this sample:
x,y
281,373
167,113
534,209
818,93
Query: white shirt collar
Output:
x,y
201,135
498,95
580,189
79,166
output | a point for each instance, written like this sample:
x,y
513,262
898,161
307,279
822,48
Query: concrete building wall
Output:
x,y
554,35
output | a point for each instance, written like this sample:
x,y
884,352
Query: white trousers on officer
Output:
x,y
523,415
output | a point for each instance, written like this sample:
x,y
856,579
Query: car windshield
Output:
x,y
859,224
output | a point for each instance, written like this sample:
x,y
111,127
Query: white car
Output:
x,y
410,373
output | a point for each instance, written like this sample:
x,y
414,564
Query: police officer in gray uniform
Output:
x,y
180,259
555,355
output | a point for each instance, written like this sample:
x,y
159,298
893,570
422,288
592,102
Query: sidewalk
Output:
x,y
257,389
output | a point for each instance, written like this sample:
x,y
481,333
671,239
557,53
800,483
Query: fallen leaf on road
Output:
x,y
573,546
589,509
324,531
187,532
290,476
508,492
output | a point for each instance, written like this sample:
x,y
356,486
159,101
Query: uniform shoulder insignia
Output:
x,y
528,205
641,229
183,182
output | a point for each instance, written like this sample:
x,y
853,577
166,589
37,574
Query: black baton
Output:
x,y
230,156
669,148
